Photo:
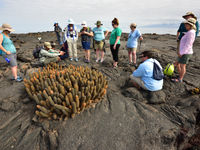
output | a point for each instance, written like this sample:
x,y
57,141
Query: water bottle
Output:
x,y
7,60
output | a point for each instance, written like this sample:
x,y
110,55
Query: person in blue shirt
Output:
x,y
8,50
99,38
182,30
132,43
142,77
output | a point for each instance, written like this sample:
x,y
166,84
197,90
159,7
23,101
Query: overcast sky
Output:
x,y
40,15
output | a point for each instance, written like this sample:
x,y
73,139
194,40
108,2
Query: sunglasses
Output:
x,y
132,27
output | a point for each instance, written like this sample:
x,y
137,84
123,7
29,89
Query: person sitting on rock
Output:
x,y
142,77
64,49
48,55
8,50
186,48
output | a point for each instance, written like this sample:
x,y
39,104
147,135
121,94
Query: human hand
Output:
x,y
179,55
141,38
8,52
114,47
62,53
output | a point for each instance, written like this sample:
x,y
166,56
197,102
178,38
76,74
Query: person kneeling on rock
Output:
x,y
48,55
143,76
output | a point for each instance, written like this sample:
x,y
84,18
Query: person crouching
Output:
x,y
48,55
142,77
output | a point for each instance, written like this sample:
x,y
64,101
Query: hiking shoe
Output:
x,y
102,60
76,59
19,79
97,60
71,59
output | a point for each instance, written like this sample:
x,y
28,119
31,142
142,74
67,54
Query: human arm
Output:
x,y
48,54
177,35
139,71
197,28
106,34
117,39
1,46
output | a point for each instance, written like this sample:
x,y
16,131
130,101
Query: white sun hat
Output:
x,y
84,24
70,21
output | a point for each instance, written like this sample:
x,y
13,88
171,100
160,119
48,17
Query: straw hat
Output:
x,y
84,24
99,23
7,27
47,44
190,14
133,25
191,21
70,21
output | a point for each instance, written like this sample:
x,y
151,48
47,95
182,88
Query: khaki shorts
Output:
x,y
138,81
132,49
98,45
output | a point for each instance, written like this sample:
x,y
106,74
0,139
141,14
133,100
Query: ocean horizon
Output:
x,y
146,29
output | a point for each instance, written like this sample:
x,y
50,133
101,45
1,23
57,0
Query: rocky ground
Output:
x,y
126,119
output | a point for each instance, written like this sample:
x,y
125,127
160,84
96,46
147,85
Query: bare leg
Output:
x,y
102,55
134,57
97,54
88,55
14,71
179,68
130,56
183,71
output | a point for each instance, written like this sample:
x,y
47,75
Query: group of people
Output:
x,y
142,77
98,35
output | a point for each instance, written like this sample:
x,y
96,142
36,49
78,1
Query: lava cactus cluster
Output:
x,y
62,92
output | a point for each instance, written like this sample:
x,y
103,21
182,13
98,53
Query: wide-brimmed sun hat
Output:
x,y
47,44
99,23
70,21
84,24
190,14
7,27
192,22
133,25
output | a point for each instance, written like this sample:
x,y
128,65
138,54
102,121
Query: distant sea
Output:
x,y
154,28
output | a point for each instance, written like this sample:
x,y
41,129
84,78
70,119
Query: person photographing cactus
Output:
x,y
48,55
8,50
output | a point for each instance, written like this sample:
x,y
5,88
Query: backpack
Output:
x,y
169,70
36,51
157,72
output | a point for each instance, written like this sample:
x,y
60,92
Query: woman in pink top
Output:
x,y
185,50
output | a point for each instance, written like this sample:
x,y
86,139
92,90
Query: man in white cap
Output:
x,y
71,36
86,34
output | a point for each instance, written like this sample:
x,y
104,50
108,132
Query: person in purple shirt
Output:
x,y
143,76
186,48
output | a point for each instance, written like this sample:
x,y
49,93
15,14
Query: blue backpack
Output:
x,y
157,72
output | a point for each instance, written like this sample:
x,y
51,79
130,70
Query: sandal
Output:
x,y
176,80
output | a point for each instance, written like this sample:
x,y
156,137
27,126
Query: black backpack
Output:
x,y
157,72
36,51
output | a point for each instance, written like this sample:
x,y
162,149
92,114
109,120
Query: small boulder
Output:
x,y
156,97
